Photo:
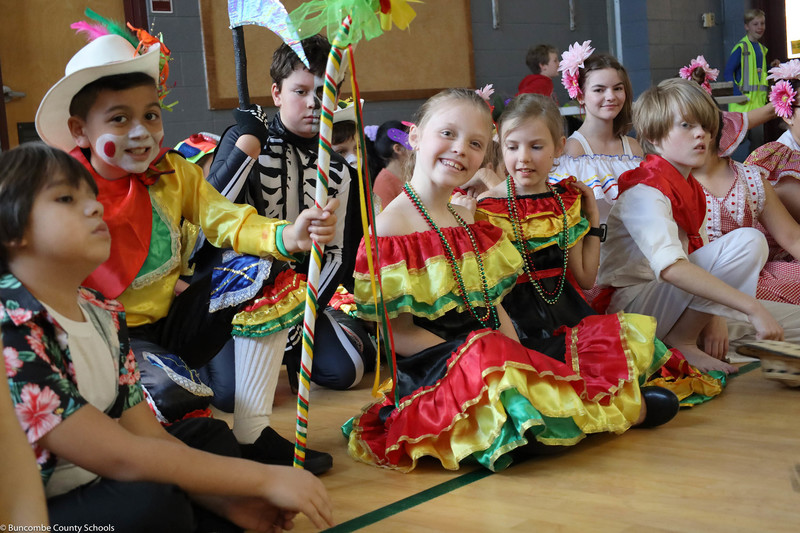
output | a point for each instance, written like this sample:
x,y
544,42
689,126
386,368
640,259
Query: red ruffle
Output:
x,y
596,338
595,375
416,248
677,366
285,282
339,299
732,132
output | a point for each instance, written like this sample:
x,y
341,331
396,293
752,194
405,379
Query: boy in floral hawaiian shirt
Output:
x,y
75,384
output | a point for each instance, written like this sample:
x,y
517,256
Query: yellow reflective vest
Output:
x,y
752,81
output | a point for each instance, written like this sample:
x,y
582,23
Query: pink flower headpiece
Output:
x,y
486,92
571,62
710,73
782,96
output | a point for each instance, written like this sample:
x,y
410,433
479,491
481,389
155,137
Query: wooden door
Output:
x,y
36,43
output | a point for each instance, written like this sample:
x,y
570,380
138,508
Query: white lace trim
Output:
x,y
195,387
263,266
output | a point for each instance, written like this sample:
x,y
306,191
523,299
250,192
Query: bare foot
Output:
x,y
702,361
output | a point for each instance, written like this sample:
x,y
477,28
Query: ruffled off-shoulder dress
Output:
x,y
479,394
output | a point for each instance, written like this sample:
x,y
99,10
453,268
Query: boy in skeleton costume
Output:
x,y
272,165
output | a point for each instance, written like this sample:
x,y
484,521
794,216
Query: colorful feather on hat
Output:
x,y
112,26
92,31
139,39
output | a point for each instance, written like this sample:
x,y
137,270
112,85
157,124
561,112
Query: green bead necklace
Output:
x,y
491,312
563,242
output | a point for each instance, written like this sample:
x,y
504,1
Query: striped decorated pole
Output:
x,y
333,73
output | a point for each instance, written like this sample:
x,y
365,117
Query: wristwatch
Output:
x,y
600,231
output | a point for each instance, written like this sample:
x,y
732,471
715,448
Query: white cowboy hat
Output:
x,y
105,56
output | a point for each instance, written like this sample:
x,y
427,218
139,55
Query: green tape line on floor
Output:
x,y
443,488
407,503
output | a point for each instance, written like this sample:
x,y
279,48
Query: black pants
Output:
x,y
137,507
189,330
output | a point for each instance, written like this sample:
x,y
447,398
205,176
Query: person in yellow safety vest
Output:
x,y
747,65
747,69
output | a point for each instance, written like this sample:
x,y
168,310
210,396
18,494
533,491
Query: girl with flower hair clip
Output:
x,y
781,158
735,124
600,150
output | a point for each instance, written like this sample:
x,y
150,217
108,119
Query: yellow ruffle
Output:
x,y
480,420
542,225
286,312
502,264
686,386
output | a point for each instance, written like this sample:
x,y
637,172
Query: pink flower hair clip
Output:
x,y
709,74
783,97
486,92
571,62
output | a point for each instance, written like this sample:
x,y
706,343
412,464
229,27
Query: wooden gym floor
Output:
x,y
732,464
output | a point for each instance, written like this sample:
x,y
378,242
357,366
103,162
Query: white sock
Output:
x,y
258,364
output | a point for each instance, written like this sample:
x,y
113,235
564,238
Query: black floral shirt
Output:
x,y
40,372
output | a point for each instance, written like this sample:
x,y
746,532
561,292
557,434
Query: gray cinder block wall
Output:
x,y
658,37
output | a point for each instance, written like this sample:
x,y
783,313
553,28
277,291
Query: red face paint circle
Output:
x,y
110,149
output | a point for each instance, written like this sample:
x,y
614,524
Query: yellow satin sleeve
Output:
x,y
225,224
182,191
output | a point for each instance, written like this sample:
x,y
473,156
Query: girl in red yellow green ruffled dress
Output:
x,y
466,389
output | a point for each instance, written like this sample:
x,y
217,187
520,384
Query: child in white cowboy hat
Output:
x,y
106,113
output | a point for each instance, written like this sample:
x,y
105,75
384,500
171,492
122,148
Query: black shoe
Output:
x,y
662,406
272,449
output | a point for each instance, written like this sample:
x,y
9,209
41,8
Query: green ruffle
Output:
x,y
697,399
575,233
295,316
524,417
313,16
407,303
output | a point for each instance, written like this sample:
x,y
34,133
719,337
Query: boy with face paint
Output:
x,y
106,112
272,165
